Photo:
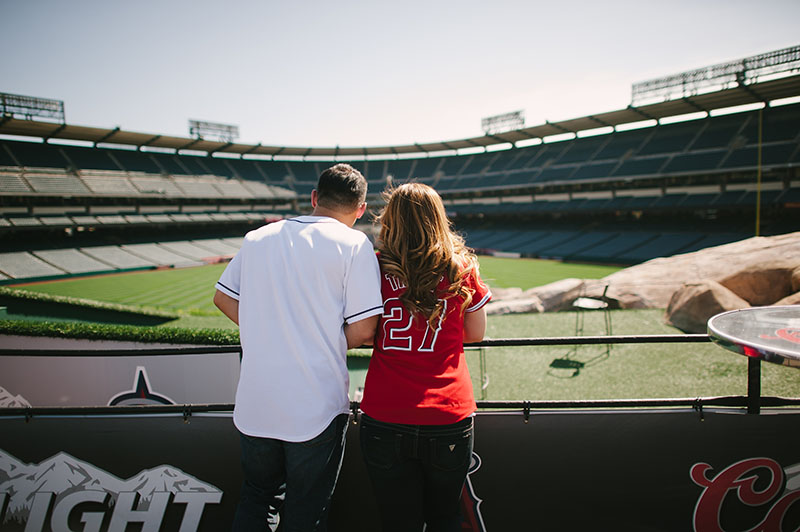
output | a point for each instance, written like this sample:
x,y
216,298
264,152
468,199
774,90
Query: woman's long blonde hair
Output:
x,y
418,246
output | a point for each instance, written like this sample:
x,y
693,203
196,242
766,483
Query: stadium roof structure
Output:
x,y
761,92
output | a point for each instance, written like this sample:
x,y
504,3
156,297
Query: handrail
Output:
x,y
187,410
753,400
499,342
594,340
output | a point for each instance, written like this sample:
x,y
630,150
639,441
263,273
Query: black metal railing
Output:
x,y
753,401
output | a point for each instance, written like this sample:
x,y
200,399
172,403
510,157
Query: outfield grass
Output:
x,y
631,371
187,289
528,273
191,289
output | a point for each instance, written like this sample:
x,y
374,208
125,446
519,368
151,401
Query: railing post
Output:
x,y
753,385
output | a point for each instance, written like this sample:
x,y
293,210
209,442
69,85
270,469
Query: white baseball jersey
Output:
x,y
298,281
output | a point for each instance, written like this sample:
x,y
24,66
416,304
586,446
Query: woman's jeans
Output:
x,y
296,479
417,472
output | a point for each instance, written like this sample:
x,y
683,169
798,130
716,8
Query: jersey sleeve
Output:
x,y
362,297
481,295
230,281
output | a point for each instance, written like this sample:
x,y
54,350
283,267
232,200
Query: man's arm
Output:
x,y
361,332
228,305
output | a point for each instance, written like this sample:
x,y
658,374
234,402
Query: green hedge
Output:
x,y
132,333
95,331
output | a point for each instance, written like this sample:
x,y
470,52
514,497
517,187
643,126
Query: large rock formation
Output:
x,y
755,262
693,304
693,286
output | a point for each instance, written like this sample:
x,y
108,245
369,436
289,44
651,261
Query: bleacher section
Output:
x,y
71,260
102,259
24,265
712,144
663,202
81,221
94,182
116,257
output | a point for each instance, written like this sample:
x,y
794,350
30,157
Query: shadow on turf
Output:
x,y
570,365
51,311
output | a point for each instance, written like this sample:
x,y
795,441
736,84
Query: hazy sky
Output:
x,y
364,73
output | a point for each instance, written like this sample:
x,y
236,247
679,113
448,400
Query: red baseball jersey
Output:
x,y
418,374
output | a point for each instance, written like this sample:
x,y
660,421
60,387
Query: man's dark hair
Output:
x,y
341,187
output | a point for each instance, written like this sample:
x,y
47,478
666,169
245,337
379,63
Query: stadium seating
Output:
x,y
82,157
105,182
598,198
156,184
611,250
573,246
712,143
133,161
400,170
96,259
135,180
116,257
186,249
57,184
24,265
11,182
663,245
424,167
71,260
718,132
218,246
156,254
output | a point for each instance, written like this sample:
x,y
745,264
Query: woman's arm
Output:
x,y
474,325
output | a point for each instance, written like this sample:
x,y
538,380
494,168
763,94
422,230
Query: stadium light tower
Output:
x,y
504,122
223,132
27,107
724,75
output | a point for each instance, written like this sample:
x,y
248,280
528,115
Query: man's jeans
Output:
x,y
417,472
305,471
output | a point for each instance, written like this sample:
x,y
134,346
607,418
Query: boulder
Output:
x,y
796,279
652,283
515,306
693,304
760,285
501,294
558,295
793,299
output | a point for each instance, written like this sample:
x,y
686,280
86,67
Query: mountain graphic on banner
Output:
x,y
9,400
63,474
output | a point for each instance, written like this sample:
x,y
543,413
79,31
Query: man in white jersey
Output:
x,y
302,290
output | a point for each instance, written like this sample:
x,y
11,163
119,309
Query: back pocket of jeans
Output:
x,y
380,449
451,452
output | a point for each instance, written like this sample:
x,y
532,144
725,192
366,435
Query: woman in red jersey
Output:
x,y
416,430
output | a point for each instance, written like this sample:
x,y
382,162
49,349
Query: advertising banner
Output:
x,y
92,380
115,380
637,470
